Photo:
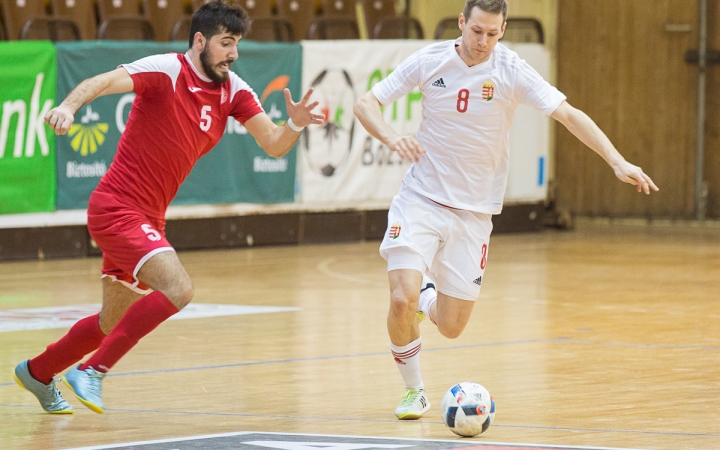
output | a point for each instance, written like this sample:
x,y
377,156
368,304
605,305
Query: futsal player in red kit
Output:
x,y
183,103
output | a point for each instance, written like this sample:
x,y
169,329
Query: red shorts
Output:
x,y
127,238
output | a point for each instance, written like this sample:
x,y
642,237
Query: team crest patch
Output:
x,y
394,231
223,96
488,90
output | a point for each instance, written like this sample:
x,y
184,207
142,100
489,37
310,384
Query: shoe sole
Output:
x,y
413,415
92,406
62,411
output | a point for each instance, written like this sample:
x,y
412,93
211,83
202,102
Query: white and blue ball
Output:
x,y
468,409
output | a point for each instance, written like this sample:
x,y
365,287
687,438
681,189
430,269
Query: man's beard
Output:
x,y
217,77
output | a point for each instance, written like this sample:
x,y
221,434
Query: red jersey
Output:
x,y
177,117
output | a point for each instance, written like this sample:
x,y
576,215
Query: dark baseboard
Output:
x,y
244,231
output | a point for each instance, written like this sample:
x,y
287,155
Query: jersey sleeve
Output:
x,y
154,73
405,78
532,90
244,102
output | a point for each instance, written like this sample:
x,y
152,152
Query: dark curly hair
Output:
x,y
219,17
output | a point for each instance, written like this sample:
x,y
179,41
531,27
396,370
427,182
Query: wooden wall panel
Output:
x,y
617,62
712,116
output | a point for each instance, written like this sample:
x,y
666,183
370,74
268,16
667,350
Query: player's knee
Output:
x,y
182,294
450,330
402,303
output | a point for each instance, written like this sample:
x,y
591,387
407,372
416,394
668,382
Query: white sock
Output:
x,y
407,359
427,298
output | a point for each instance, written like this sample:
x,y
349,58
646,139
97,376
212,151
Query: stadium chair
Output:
x,y
447,28
163,15
81,12
376,10
17,13
300,14
258,9
127,28
334,28
398,28
523,30
49,28
339,8
268,29
181,30
195,4
115,8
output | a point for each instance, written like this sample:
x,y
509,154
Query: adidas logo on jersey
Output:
x,y
439,83
478,281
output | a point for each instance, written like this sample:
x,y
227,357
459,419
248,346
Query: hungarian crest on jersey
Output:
x,y
394,231
488,90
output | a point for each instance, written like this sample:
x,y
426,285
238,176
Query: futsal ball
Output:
x,y
467,409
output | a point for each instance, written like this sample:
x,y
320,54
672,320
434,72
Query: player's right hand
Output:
x,y
407,147
60,119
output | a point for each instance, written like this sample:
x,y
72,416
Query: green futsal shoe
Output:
x,y
413,405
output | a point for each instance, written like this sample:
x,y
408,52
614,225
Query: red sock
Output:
x,y
139,320
84,337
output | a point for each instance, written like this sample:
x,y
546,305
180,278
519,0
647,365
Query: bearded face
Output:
x,y
215,68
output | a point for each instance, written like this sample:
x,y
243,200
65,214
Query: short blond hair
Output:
x,y
489,6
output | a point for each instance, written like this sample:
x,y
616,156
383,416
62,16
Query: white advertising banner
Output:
x,y
340,163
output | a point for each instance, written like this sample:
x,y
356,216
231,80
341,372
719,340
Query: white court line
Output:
x,y
324,268
66,316
240,433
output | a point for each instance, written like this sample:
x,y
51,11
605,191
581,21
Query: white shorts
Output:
x,y
450,245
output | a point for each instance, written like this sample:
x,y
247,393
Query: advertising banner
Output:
x,y
236,170
27,145
340,162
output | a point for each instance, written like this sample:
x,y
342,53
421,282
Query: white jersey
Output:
x,y
465,127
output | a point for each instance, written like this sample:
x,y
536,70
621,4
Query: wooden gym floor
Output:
x,y
607,336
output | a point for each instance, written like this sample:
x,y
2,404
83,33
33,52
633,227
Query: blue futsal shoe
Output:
x,y
48,395
87,387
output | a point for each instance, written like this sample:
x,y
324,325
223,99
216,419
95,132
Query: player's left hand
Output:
x,y
634,175
302,113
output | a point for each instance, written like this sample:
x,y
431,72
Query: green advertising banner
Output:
x,y
235,171
27,147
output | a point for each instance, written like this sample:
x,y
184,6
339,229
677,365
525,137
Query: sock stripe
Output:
x,y
408,354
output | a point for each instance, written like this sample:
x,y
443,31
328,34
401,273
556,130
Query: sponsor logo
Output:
x,y
439,83
34,118
194,89
261,164
87,136
478,280
82,170
394,231
488,90
399,361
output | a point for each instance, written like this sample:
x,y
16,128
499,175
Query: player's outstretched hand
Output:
x,y
60,119
634,175
407,147
302,113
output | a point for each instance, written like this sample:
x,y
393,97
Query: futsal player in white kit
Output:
x,y
439,224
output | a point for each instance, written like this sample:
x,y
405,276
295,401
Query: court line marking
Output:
x,y
324,268
243,433
358,355
350,419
